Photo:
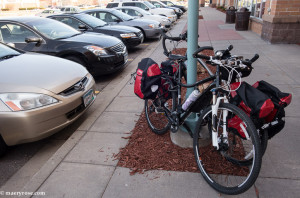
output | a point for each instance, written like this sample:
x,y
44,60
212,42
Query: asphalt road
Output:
x,y
40,151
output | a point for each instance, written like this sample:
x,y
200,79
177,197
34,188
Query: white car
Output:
x,y
70,9
145,5
48,12
143,14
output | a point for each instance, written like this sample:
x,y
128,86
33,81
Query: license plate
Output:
x,y
88,97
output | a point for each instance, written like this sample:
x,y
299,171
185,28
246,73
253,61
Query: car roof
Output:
x,y
67,14
22,19
99,9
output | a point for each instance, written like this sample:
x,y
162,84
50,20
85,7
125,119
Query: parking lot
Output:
x,y
32,156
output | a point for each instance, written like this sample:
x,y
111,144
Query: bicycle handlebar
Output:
x,y
249,62
196,55
181,37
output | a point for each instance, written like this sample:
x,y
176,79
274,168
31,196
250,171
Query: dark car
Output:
x,y
171,4
150,28
100,54
129,35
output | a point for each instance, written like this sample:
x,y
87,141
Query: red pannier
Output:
x,y
148,79
263,102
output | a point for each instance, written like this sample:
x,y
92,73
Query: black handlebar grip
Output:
x,y
230,47
195,54
256,56
202,56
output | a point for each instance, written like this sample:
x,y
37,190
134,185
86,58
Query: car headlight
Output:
x,y
128,35
98,51
153,25
26,101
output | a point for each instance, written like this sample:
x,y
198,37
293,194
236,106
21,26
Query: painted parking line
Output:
x,y
130,59
146,44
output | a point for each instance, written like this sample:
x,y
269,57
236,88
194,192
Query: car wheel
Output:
x,y
142,32
76,59
3,146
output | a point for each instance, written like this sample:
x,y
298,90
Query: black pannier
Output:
x,y
264,103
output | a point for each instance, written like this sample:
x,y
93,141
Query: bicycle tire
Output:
x,y
222,166
156,118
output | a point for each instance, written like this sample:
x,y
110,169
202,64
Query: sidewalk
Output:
x,y
84,166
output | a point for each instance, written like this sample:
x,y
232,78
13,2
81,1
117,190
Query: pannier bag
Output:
x,y
275,121
167,67
265,105
148,79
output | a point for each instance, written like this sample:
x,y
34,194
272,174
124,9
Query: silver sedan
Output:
x,y
137,12
150,28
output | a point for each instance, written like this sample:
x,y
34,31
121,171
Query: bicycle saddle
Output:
x,y
176,57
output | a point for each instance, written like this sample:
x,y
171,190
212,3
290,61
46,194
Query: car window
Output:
x,y
156,4
14,33
53,29
169,3
129,4
46,11
69,21
67,10
108,17
90,20
141,5
112,5
131,12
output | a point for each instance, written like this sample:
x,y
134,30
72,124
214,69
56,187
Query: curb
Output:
x,y
104,99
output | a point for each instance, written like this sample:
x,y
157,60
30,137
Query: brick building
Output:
x,y
276,21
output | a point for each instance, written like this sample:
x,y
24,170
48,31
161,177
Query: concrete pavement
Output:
x,y
84,166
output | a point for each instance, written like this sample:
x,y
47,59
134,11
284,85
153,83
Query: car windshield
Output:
x,y
91,21
122,15
7,52
53,29
143,12
149,5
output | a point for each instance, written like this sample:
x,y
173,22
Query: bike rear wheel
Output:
x,y
233,168
157,110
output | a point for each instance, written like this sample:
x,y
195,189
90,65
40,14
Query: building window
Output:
x,y
256,7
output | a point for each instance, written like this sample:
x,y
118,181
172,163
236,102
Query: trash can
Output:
x,y
230,14
242,19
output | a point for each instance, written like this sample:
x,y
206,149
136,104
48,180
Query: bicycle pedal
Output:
x,y
174,129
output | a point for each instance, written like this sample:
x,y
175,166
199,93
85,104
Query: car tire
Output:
x,y
3,146
76,60
144,34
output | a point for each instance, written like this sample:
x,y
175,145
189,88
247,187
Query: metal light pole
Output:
x,y
192,46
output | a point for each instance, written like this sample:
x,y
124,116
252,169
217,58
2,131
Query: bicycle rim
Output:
x,y
234,168
157,110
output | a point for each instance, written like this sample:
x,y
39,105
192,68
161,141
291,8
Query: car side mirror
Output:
x,y
140,15
118,20
147,9
33,39
82,27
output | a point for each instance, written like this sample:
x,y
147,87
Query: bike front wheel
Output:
x,y
234,167
158,111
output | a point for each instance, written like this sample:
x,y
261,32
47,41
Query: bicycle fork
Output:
x,y
215,123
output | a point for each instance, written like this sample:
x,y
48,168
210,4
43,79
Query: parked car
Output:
x,y
137,12
39,95
99,53
170,3
146,6
70,9
150,28
159,4
129,35
48,12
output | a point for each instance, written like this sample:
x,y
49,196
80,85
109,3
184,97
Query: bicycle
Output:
x,y
227,148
